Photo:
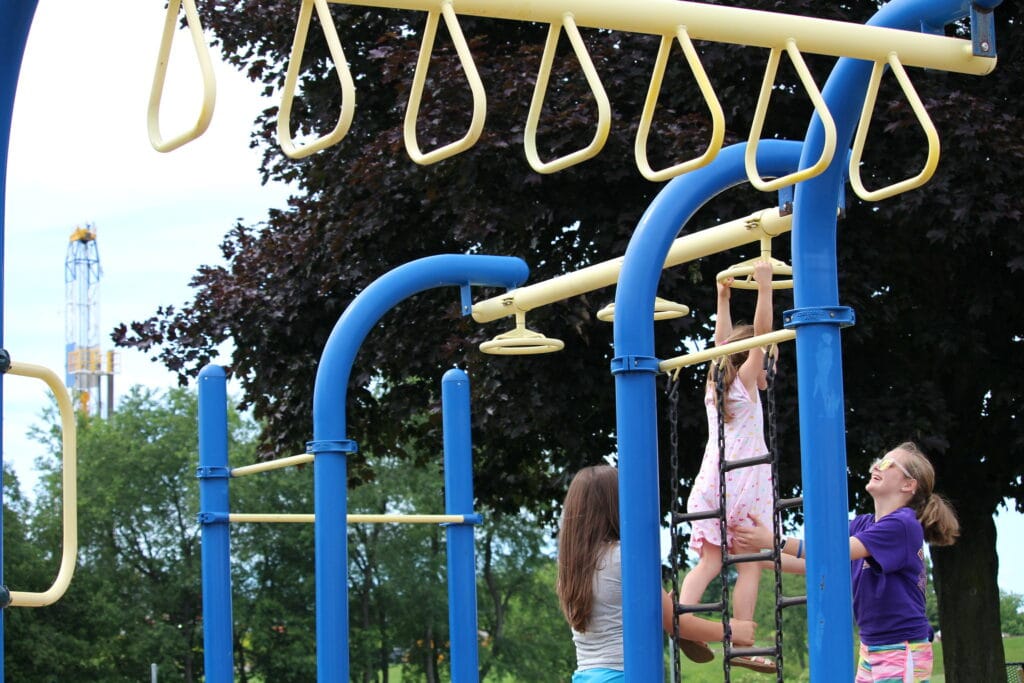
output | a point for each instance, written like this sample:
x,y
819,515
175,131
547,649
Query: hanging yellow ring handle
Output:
x,y
160,76
521,341
69,487
476,86
604,107
348,89
931,162
647,116
827,123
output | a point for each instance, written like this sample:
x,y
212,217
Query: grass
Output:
x,y
711,672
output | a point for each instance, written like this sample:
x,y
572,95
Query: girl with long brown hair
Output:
x,y
589,583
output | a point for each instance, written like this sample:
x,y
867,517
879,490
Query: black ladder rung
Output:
x,y
731,465
789,503
792,601
681,517
749,557
734,652
702,607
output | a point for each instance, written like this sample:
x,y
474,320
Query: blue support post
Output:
x,y
635,368
458,500
329,427
819,317
213,474
15,21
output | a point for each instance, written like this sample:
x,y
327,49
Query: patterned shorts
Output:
x,y
907,662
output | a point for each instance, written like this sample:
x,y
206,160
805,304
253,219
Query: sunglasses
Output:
x,y
885,463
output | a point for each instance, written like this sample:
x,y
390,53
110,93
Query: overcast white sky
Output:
x,y
80,153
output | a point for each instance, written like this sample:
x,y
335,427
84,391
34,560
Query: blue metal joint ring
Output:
x,y
471,519
212,472
843,316
635,364
213,518
332,446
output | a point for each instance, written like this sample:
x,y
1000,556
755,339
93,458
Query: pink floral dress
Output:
x,y
748,489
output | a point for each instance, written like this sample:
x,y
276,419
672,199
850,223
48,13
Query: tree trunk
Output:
x,y
965,584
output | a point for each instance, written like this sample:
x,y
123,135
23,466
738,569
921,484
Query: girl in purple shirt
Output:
x,y
887,565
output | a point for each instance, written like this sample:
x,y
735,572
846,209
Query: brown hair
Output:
x,y
936,515
590,521
730,365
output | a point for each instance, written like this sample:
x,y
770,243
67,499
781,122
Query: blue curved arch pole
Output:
x,y
15,22
635,368
818,317
330,444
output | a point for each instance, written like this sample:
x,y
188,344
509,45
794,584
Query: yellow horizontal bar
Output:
x,y
767,223
352,519
696,357
733,25
69,486
291,460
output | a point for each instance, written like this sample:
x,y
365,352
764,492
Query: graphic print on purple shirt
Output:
x,y
888,586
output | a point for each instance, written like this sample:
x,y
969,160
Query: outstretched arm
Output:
x,y
692,627
758,536
723,316
763,314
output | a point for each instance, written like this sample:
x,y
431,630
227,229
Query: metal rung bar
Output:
x,y
739,464
351,519
702,607
792,601
682,517
789,503
748,557
734,652
280,463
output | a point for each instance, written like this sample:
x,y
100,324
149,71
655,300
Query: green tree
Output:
x,y
931,274
1010,607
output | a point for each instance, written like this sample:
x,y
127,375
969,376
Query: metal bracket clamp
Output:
x,y
5,360
332,446
214,472
983,31
213,517
472,519
843,316
635,364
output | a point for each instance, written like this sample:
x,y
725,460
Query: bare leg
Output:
x,y
695,582
745,592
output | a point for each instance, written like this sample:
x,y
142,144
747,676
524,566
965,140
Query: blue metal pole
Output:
x,y
458,500
330,445
213,474
819,317
635,367
15,21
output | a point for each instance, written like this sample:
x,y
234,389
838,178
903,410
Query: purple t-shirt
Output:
x,y
888,586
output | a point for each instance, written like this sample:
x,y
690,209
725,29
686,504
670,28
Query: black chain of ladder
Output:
x,y
677,518
673,487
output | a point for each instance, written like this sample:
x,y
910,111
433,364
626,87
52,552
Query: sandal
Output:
x,y
759,664
696,651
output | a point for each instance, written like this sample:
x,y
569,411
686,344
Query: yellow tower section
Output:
x,y
86,365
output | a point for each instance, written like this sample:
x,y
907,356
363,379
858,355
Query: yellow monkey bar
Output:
x,y
351,519
69,489
752,228
776,337
670,19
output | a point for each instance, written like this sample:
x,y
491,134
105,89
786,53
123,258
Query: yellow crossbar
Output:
x,y
767,223
272,465
352,519
705,355
734,25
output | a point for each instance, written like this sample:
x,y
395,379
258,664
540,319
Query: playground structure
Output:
x,y
809,174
